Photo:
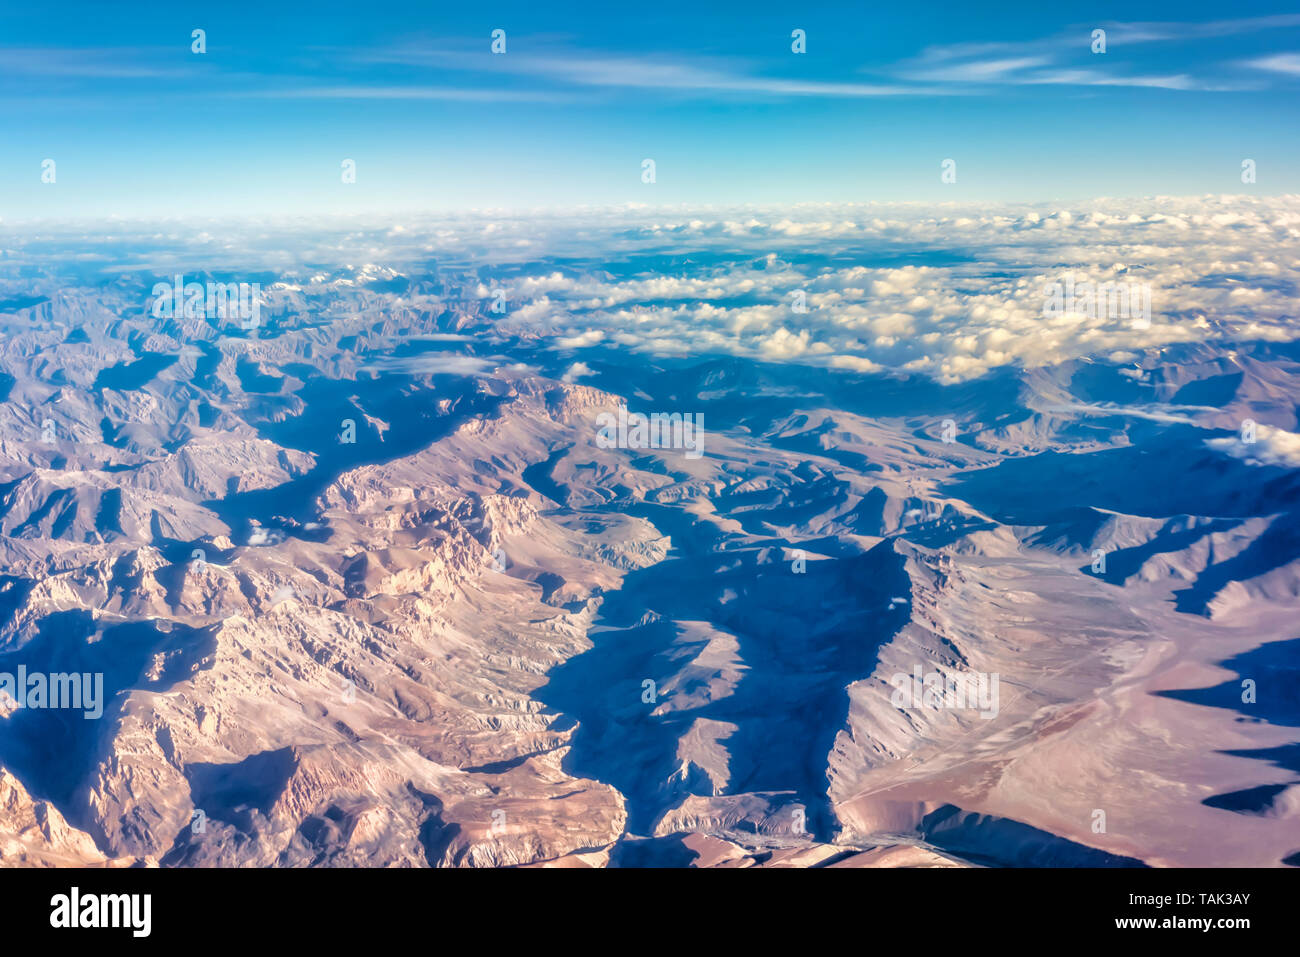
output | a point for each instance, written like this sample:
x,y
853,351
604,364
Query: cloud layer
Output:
x,y
946,292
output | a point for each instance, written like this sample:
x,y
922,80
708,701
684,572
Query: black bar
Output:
x,y
235,907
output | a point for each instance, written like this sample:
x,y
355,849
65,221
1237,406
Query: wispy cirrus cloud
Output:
x,y
707,75
1057,59
955,70
977,70
1180,81
1168,31
1288,63
106,63
411,71
397,92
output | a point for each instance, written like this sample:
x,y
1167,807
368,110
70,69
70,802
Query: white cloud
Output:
x,y
947,291
1288,63
577,371
1211,264
1271,447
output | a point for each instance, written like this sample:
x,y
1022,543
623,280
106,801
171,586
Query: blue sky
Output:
x,y
138,125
